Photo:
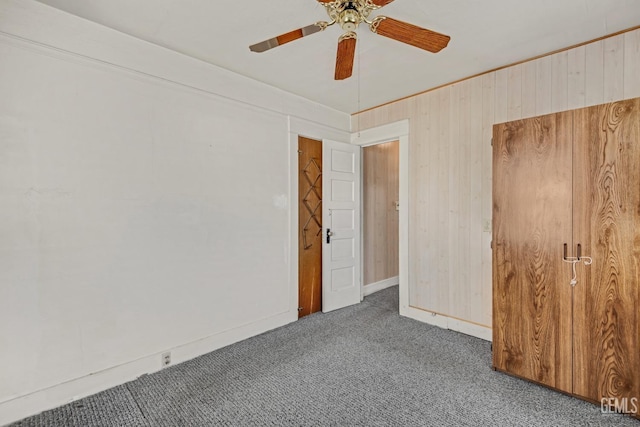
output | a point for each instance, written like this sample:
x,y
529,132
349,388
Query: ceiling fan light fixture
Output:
x,y
350,16
349,19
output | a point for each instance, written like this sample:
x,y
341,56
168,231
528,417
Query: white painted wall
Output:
x,y
450,198
144,206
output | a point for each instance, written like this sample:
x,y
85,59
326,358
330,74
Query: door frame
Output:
x,y
396,131
301,127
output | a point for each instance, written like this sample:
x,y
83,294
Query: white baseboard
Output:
x,y
445,322
61,394
378,286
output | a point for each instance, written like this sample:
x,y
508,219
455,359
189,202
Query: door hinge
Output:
x,y
491,244
492,142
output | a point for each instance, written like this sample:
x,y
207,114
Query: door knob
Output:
x,y
329,234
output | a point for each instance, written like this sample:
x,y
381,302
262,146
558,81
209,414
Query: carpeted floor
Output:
x,y
360,366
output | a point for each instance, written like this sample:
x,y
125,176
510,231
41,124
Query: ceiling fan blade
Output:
x,y
346,55
378,3
410,34
381,2
288,37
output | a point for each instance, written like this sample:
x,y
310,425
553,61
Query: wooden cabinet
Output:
x,y
569,178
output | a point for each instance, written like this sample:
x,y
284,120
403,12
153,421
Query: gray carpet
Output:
x,y
360,366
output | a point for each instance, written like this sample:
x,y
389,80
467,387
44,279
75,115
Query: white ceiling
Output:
x,y
485,34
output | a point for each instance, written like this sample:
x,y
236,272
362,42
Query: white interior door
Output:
x,y
341,219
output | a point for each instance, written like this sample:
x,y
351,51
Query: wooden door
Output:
x,y
532,186
310,226
607,225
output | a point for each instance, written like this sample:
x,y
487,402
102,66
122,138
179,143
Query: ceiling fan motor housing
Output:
x,y
350,17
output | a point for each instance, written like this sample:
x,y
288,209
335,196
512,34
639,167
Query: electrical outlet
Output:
x,y
166,359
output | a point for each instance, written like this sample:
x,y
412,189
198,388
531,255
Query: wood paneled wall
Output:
x,y
381,190
450,160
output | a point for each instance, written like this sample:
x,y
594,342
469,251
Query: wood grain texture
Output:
x,y
559,82
543,86
474,213
381,2
455,148
380,219
614,68
463,244
576,81
532,187
514,92
413,35
344,58
434,149
289,37
631,63
594,78
529,73
488,107
607,222
309,240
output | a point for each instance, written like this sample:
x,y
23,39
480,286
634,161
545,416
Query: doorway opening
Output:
x,y
339,292
380,216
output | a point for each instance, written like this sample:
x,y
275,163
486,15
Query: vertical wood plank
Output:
x,y
529,83
459,291
475,166
501,96
418,163
428,295
443,115
594,79
632,64
543,86
488,111
577,74
559,82
514,92
454,199
614,68
439,296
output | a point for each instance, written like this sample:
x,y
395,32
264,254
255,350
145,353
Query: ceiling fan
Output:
x,y
349,15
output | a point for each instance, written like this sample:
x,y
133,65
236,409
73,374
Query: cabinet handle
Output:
x,y
579,251
565,252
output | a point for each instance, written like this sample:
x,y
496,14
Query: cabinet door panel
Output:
x,y
607,225
532,190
